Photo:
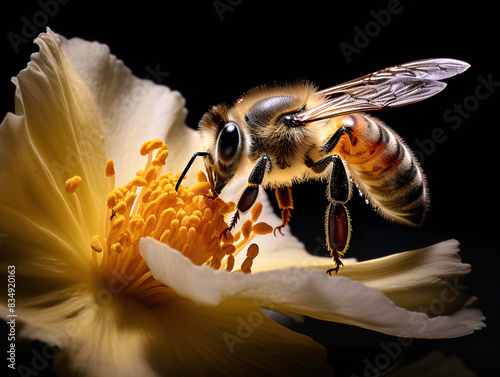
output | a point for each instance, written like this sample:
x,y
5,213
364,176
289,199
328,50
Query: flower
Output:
x,y
128,277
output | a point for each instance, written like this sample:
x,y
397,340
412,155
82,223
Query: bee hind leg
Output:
x,y
338,233
338,222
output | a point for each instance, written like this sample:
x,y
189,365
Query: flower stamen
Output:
x,y
71,185
187,220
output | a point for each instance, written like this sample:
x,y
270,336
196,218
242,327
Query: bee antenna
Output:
x,y
202,154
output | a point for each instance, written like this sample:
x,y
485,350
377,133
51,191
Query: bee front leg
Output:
x,y
285,203
249,195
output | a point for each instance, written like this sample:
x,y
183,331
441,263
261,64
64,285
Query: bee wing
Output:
x,y
394,86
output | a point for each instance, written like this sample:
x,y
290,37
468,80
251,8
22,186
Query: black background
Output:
x,y
214,57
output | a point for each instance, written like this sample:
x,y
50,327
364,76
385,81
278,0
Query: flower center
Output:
x,y
187,220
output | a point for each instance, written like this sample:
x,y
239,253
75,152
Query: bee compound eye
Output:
x,y
229,141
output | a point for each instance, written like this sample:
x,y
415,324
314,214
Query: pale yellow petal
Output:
x,y
312,293
104,334
40,234
132,110
63,125
429,280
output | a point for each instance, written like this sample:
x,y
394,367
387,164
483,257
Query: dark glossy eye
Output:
x,y
229,141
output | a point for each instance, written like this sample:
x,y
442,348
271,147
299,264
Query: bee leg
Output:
x,y
249,195
338,222
334,139
338,233
285,203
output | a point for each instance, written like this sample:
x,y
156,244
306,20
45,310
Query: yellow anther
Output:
x,y
151,208
161,149
174,226
191,236
182,235
201,188
149,226
72,184
256,211
139,181
237,236
253,251
194,221
118,221
118,193
145,148
136,223
180,214
150,146
198,214
228,249
163,199
246,228
246,265
169,215
147,195
120,208
150,174
230,263
161,158
130,199
111,200
156,144
262,228
110,168
165,236
208,214
201,177
95,244
216,263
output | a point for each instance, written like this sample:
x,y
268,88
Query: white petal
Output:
x,y
132,110
311,293
430,279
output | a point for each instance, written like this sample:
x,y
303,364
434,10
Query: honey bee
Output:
x,y
278,135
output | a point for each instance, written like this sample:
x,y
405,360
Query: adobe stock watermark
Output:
x,y
392,351
245,326
223,6
33,25
380,19
455,115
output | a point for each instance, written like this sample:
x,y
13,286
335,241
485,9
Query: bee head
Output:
x,y
223,140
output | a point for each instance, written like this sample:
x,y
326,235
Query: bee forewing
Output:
x,y
394,86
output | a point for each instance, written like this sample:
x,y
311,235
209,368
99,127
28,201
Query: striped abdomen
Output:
x,y
385,170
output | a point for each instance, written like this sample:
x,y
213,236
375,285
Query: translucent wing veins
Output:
x,y
394,86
